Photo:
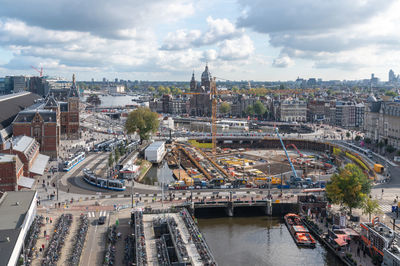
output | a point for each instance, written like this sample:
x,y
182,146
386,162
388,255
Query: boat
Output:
x,y
299,232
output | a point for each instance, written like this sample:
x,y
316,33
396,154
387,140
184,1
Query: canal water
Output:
x,y
258,241
116,101
159,173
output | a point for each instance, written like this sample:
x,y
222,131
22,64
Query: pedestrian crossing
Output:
x,y
98,214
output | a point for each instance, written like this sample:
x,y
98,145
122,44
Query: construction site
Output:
x,y
195,166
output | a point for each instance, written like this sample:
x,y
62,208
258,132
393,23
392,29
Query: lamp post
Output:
x,y
57,176
132,192
269,180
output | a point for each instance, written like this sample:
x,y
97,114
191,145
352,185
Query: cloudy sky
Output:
x,y
168,39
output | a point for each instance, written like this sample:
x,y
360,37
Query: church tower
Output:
x,y
193,84
206,79
73,111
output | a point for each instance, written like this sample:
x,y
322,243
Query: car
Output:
x,y
101,220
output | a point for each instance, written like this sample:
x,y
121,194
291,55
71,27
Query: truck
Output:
x,y
378,168
198,183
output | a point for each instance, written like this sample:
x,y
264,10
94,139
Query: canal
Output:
x,y
158,174
258,241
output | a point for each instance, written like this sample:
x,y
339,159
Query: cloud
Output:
x,y
325,32
236,49
267,16
283,61
112,19
217,30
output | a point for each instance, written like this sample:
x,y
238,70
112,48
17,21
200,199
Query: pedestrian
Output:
x,y
42,246
51,220
44,233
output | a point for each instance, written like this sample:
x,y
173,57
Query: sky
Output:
x,y
264,40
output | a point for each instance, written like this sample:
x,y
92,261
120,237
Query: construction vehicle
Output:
x,y
216,183
378,168
240,182
294,146
294,179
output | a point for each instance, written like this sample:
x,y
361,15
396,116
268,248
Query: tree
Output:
x,y
250,110
391,93
357,138
368,140
225,107
349,187
370,206
110,160
93,99
122,149
259,108
142,121
116,155
390,149
381,144
151,89
348,134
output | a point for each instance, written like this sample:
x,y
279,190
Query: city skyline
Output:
x,y
167,40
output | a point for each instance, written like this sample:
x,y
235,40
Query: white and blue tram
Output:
x,y
112,184
74,160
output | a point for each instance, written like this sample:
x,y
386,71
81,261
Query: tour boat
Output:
x,y
299,232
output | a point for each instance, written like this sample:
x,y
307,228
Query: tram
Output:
x,y
73,160
112,184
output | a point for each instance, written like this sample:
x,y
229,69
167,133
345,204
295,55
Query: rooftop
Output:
x,y
12,104
15,205
13,209
6,158
155,146
22,143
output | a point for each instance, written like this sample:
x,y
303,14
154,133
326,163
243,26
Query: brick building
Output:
x,y
48,122
11,170
42,125
27,150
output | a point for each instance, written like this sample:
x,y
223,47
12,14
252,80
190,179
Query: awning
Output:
x,y
25,182
129,169
39,164
340,241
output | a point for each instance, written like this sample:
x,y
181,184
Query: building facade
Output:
x,y
382,122
48,122
292,110
11,170
42,125
316,111
200,104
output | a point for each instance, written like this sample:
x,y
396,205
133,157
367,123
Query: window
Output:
x,y
37,132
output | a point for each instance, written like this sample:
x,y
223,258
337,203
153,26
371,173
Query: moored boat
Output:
x,y
299,232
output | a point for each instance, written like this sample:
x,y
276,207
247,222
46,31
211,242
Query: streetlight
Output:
x,y
269,180
132,192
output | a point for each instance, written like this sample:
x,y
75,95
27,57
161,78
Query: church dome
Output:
x,y
371,98
206,74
